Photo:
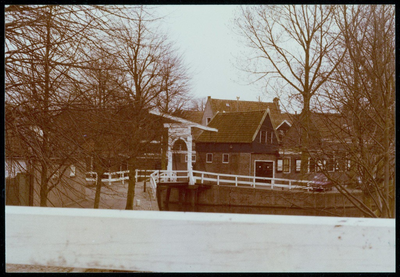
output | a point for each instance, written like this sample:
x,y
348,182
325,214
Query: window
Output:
x,y
225,158
286,165
272,137
72,171
209,157
208,119
193,158
298,165
279,165
283,165
320,165
330,164
263,135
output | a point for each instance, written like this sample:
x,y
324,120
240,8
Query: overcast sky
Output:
x,y
205,37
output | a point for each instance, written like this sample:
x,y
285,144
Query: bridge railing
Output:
x,y
251,181
197,242
116,176
202,176
230,179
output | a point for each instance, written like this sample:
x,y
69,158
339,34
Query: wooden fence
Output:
x,y
197,242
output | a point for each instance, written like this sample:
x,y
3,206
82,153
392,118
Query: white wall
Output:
x,y
197,242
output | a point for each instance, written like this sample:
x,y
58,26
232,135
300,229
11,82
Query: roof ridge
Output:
x,y
236,112
242,100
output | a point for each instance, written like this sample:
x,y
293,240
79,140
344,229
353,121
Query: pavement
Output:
x,y
113,196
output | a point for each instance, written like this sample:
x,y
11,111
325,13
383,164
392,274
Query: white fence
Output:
x,y
202,176
197,242
117,176
229,179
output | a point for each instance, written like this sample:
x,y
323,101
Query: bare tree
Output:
x,y
294,44
175,95
152,76
198,104
43,45
362,92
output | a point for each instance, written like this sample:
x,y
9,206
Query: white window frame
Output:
x,y
279,165
298,165
212,157
223,158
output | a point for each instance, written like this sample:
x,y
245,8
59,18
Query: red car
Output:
x,y
321,183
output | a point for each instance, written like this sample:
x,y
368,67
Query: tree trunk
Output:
x,y
43,186
387,211
131,187
44,178
164,149
305,124
99,184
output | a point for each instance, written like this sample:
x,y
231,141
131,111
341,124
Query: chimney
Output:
x,y
237,103
276,102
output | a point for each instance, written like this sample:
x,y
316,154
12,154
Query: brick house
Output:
x,y
326,149
246,144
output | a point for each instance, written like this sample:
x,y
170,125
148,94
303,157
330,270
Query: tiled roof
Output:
x,y
194,116
221,105
323,127
235,127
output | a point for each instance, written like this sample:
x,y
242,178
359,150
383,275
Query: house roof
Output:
x,y
328,127
235,127
225,105
182,121
194,116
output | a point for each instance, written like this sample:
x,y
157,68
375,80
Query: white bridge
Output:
x,y
157,176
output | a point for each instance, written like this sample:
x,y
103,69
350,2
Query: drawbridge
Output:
x,y
190,183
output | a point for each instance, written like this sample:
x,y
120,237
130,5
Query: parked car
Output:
x,y
321,183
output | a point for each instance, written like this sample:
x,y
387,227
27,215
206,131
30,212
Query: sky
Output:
x,y
204,35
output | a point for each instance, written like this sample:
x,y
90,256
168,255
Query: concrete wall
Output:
x,y
266,201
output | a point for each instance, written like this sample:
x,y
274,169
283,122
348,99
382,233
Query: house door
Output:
x,y
265,169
